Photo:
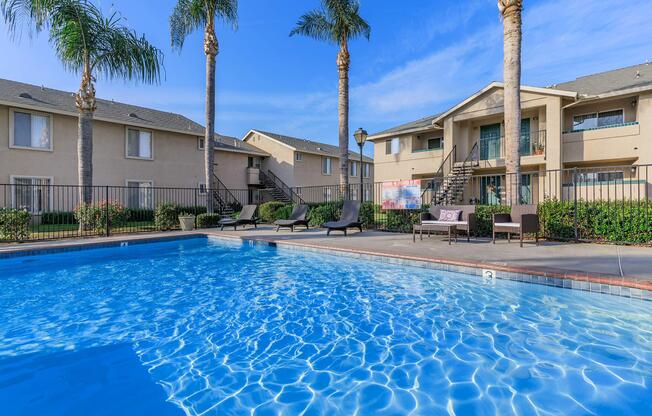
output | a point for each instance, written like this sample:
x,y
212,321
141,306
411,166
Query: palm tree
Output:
x,y
189,15
510,11
338,21
87,43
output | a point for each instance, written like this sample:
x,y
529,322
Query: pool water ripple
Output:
x,y
231,329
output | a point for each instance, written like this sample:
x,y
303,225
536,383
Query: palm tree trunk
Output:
x,y
85,101
343,61
211,50
511,13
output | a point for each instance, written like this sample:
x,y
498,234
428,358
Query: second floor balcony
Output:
x,y
492,146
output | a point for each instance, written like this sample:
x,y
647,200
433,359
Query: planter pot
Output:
x,y
187,222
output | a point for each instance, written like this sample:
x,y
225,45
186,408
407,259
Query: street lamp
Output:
x,y
360,137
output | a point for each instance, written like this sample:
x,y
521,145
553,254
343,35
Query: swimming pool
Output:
x,y
215,327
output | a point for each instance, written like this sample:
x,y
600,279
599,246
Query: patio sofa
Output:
x,y
467,221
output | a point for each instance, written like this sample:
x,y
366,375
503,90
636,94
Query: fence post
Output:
x,y
196,207
106,210
575,227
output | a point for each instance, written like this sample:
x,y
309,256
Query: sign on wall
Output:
x,y
401,194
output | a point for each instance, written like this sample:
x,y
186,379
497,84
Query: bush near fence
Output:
x,y
601,220
208,220
96,217
14,224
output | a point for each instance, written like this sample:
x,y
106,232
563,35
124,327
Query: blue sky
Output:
x,y
423,56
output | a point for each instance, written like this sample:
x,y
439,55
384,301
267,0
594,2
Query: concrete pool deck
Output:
x,y
595,267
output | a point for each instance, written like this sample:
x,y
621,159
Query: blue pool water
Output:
x,y
211,327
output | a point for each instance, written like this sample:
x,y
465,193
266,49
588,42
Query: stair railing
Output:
x,y
292,196
224,196
473,158
435,184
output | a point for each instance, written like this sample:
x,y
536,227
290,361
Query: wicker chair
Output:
x,y
523,220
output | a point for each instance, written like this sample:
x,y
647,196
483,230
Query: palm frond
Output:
x,y
191,15
187,16
315,24
33,14
337,21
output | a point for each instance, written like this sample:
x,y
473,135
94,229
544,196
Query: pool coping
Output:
x,y
598,283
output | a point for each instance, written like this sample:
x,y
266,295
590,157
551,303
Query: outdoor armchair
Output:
x,y
523,220
246,217
350,218
297,217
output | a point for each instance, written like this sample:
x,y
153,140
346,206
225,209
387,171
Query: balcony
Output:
x,y
613,142
253,176
531,144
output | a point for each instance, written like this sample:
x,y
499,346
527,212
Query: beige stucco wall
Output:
x,y
281,161
177,161
408,163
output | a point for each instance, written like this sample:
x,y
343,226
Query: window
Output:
x,y
367,193
139,144
353,170
328,195
326,166
202,188
435,143
200,143
31,193
298,191
594,177
31,131
596,120
366,170
392,146
139,195
253,162
354,193
298,156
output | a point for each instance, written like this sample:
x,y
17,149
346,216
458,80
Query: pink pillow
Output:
x,y
450,215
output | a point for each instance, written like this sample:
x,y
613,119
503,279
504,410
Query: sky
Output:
x,y
423,57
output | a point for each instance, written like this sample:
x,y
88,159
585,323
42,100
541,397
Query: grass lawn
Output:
x,y
70,230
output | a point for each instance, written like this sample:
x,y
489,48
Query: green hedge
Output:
x,y
58,217
96,217
617,221
136,214
208,220
273,210
14,224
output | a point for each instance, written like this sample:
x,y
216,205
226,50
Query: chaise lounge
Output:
x,y
522,220
350,218
297,217
246,217
433,220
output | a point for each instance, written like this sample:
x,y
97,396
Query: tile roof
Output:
x,y
420,123
310,146
21,94
610,81
235,144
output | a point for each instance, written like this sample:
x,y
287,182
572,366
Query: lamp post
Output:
x,y
360,137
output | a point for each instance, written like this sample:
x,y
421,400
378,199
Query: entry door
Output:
x,y
525,149
490,141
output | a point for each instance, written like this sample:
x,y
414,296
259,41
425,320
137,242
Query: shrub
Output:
x,y
208,220
367,214
97,217
193,210
401,220
58,217
321,213
273,210
138,214
14,224
166,216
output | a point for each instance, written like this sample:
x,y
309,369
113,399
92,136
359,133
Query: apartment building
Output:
x,y
132,146
299,164
599,124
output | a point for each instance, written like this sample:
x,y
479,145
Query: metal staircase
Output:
x,y
225,203
278,190
449,189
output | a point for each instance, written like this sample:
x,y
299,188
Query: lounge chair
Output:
x,y
246,217
349,218
522,220
467,221
298,217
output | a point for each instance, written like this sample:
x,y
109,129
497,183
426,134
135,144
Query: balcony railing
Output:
x,y
610,126
531,144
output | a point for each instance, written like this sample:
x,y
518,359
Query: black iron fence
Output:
x,y
595,204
